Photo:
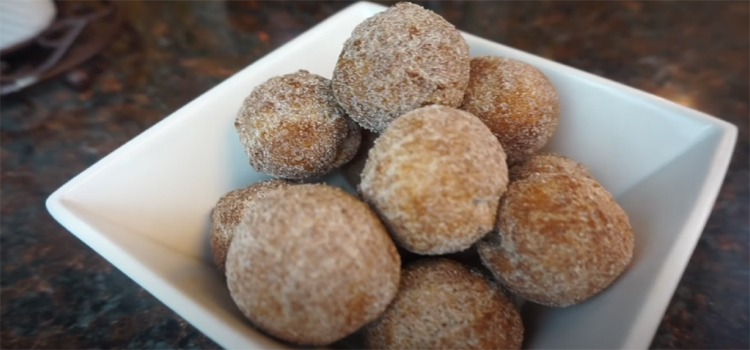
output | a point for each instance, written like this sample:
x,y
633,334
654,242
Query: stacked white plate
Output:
x,y
22,20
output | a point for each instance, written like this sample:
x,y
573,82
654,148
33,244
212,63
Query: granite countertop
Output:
x,y
58,293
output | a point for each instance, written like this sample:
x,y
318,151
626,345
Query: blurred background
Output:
x,y
81,78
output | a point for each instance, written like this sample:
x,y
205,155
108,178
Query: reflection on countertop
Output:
x,y
58,293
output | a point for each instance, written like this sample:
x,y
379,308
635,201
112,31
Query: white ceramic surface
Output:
x,y
145,207
21,20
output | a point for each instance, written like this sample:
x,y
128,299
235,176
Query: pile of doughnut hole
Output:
x,y
444,151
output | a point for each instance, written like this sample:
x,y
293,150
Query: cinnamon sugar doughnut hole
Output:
x,y
351,144
441,304
398,60
352,171
516,101
292,127
435,177
548,163
312,267
228,213
560,240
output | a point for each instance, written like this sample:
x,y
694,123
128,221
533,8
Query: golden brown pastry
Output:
x,y
547,163
516,101
400,59
435,177
229,211
443,305
292,127
561,239
312,267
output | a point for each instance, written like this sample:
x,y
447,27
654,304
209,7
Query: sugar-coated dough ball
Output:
x,y
313,266
351,145
352,171
398,60
443,305
561,239
435,177
229,211
516,101
292,127
545,164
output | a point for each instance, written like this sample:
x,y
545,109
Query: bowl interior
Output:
x,y
146,206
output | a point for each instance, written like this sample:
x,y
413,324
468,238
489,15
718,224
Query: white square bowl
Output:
x,y
145,207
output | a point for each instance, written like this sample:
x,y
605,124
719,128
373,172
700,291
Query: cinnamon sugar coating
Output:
x,y
560,240
228,213
292,127
516,101
443,305
435,176
547,163
398,60
312,267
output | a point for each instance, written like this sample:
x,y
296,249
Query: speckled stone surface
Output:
x,y
58,293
